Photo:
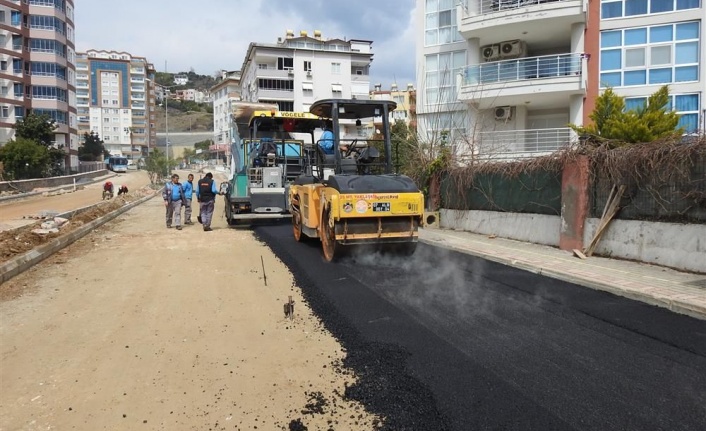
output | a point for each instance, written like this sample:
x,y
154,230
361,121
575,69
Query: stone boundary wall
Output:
x,y
674,245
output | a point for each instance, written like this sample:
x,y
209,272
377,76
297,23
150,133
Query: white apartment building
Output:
x,y
116,100
298,70
181,79
506,77
37,72
224,93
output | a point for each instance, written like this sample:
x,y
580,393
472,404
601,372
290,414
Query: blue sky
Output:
x,y
210,35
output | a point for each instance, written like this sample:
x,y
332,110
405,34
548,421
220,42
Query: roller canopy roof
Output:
x,y
353,108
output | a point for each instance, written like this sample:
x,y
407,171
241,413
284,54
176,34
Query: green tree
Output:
x,y
648,123
93,149
403,140
24,158
38,128
164,79
203,145
158,167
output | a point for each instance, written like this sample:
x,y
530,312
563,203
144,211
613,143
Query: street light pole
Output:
x,y
166,128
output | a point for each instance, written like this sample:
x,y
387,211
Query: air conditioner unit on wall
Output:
x,y
490,52
503,113
513,49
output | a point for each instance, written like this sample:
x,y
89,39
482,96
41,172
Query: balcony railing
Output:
x,y
492,6
524,143
547,66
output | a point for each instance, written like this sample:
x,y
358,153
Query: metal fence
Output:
x,y
668,195
546,66
515,144
658,195
536,193
492,6
84,167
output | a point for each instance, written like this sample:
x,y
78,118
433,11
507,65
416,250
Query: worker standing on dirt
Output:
x,y
206,193
173,195
188,193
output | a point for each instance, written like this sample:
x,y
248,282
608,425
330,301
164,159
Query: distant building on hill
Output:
x,y
181,79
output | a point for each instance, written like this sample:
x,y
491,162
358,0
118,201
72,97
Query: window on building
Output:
x,y
336,68
440,22
440,76
275,84
307,66
285,63
3,65
661,54
5,111
337,90
283,105
48,93
15,18
623,8
399,115
685,105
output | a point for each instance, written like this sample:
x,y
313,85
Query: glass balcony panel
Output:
x,y
548,66
492,6
523,143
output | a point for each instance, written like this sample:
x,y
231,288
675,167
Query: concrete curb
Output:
x,y
681,307
23,262
21,196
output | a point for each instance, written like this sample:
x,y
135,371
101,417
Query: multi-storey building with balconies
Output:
x,y
406,101
37,72
506,77
224,93
116,100
298,70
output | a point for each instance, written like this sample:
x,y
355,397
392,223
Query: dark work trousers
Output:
x,y
207,212
174,210
187,211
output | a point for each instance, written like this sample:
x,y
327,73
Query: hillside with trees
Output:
x,y
196,81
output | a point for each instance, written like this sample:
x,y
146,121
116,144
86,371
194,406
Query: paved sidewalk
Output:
x,y
680,292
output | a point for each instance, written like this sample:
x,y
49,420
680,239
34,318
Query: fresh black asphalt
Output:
x,y
446,341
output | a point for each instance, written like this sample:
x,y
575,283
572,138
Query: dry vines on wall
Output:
x,y
665,179
525,178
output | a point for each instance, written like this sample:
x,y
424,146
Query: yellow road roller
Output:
x,y
348,195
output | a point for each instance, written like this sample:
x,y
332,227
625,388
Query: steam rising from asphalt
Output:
x,y
431,278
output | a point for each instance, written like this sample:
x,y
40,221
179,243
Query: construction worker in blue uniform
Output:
x,y
173,195
188,194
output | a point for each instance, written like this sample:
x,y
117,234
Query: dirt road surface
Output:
x,y
137,326
11,212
